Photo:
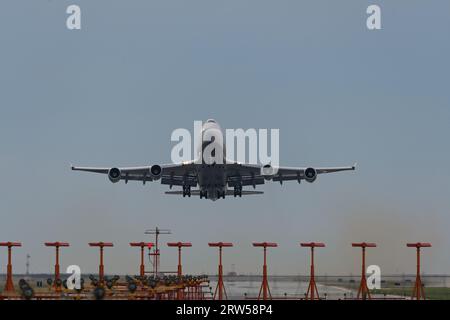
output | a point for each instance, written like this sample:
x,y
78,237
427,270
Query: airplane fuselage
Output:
x,y
212,178
212,181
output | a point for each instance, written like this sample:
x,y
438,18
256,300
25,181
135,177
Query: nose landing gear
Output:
x,y
221,194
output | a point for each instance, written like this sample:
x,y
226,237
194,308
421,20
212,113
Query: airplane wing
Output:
x,y
237,173
245,174
170,174
292,173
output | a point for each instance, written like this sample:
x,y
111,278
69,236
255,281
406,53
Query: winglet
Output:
x,y
71,166
354,166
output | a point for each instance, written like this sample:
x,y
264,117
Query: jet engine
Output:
x,y
310,174
156,171
114,175
267,171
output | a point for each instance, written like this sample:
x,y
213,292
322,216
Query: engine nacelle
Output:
x,y
156,171
267,171
310,174
114,175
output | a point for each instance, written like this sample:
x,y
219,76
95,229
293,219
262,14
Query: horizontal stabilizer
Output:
x,y
228,193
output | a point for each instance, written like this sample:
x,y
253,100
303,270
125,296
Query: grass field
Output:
x,y
430,293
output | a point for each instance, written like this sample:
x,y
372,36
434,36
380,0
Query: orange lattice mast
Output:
x,y
312,292
179,245
142,245
57,282
265,290
220,292
101,268
9,287
418,291
363,290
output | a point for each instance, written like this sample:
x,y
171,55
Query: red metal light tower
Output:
x,y
220,289
9,287
101,270
142,245
179,245
363,289
57,245
312,288
265,284
418,292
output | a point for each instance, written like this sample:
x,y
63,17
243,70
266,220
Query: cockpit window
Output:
x,y
211,120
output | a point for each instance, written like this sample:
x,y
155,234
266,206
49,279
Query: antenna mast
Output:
x,y
155,253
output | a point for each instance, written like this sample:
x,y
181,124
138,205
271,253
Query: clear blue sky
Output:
x,y
111,94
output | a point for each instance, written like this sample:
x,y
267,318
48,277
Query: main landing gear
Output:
x,y
237,191
186,191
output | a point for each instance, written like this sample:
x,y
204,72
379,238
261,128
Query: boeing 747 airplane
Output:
x,y
212,181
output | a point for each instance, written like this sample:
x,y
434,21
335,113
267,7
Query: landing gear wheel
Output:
x,y
238,191
186,191
203,194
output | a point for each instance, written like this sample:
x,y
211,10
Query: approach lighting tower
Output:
x,y
312,292
142,245
418,291
265,290
57,282
363,290
220,292
9,286
101,268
